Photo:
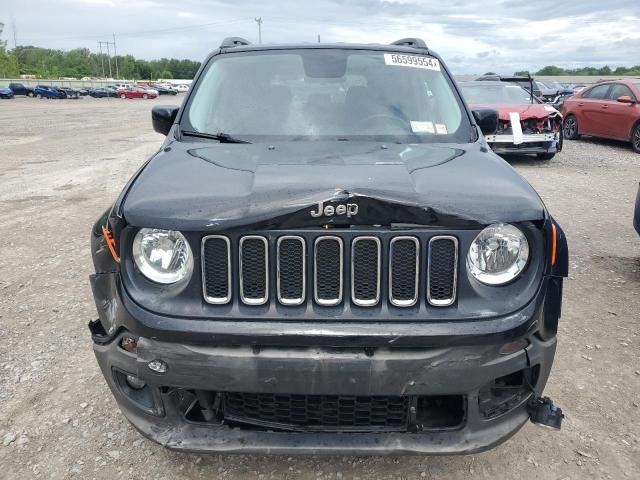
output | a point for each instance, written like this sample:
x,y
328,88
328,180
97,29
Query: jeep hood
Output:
x,y
214,186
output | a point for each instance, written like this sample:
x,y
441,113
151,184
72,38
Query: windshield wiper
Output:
x,y
221,137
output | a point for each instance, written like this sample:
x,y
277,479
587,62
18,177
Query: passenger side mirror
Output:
x,y
162,118
487,120
625,99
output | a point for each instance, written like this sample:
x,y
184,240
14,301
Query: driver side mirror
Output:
x,y
625,99
162,118
487,120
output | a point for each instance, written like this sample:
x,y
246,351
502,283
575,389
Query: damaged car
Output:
x,y
525,125
325,257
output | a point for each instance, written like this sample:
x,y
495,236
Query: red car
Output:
x,y
135,92
525,124
608,109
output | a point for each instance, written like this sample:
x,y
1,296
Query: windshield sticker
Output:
x,y
422,127
414,61
441,129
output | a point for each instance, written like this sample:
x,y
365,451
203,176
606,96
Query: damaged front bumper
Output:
x,y
461,394
535,143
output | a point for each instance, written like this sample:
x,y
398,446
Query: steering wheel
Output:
x,y
371,119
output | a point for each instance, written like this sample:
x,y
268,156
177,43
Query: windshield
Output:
x,y
327,94
478,93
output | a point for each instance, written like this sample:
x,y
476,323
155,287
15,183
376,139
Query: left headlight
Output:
x,y
163,256
498,254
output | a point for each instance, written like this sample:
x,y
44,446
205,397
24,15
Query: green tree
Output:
x,y
8,64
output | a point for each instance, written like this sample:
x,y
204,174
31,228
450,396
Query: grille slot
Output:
x,y
216,269
254,270
443,270
319,412
292,271
365,271
328,270
404,257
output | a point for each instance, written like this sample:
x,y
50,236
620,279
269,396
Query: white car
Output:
x,y
181,87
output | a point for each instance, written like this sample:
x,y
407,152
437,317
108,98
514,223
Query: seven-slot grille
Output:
x,y
403,260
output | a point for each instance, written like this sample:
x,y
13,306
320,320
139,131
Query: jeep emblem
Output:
x,y
349,209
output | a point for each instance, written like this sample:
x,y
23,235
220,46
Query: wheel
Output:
x,y
545,156
635,138
39,95
570,128
145,96
29,94
123,96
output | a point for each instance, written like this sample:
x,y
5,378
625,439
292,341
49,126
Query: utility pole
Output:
x,y
259,22
115,55
318,38
101,57
109,60
15,32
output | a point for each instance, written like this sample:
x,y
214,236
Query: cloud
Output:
x,y
472,36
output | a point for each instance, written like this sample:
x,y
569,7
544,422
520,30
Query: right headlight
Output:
x,y
498,254
163,256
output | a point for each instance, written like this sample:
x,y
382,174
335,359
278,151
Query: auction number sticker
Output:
x,y
415,61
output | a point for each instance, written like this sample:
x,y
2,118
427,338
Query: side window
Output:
x,y
619,90
597,92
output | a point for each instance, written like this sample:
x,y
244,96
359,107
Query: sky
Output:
x,y
472,36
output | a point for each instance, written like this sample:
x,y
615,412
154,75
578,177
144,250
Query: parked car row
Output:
x,y
122,90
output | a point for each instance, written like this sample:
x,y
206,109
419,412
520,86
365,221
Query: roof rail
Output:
x,y
411,42
231,42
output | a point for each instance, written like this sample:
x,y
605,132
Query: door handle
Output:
x,y
605,106
581,104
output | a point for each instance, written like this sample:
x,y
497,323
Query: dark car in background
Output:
x,y
69,92
525,126
6,93
44,91
324,256
21,89
608,109
102,92
164,90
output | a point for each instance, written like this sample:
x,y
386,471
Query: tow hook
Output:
x,y
543,412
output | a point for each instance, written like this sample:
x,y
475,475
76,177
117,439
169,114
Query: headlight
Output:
x,y
162,256
498,254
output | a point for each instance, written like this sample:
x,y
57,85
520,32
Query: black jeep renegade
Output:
x,y
324,256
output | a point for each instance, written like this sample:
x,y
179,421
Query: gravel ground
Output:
x,y
63,162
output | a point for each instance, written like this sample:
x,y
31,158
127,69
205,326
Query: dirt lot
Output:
x,y
63,162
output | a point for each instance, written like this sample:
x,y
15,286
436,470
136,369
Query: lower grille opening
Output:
x,y
322,413
507,392
440,412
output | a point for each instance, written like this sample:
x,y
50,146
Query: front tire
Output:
x,y
123,96
635,138
570,128
145,96
545,156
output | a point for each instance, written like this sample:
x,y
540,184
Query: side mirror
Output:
x,y
162,118
487,120
625,99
